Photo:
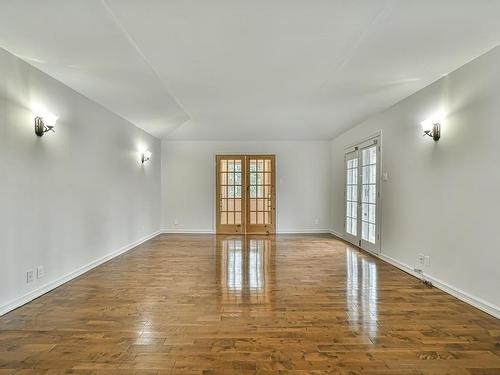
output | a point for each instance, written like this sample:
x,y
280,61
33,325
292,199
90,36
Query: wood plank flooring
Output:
x,y
294,304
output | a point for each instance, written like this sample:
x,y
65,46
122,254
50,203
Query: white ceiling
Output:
x,y
248,70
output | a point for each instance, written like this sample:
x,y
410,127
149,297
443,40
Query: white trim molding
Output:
x,y
187,231
303,231
336,234
211,231
22,300
445,287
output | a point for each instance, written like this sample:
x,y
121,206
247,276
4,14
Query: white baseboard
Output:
x,y
336,234
445,287
19,301
303,231
465,297
211,231
187,231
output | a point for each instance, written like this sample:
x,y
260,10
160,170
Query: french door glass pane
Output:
x,y
351,193
230,192
369,193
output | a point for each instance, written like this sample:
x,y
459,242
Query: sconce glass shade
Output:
x,y
432,126
427,125
48,118
146,155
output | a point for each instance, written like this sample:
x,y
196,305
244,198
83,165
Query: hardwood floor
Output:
x,y
201,304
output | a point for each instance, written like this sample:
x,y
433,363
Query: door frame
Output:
x,y
245,188
357,241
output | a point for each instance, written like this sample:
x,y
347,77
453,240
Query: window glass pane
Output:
x,y
253,165
373,155
230,218
348,209
253,218
260,178
253,191
230,205
260,204
223,218
253,205
371,214
354,227
237,191
223,178
230,191
230,165
223,206
354,210
364,211
372,233
237,165
237,218
237,178
369,193
268,165
267,179
237,204
366,157
260,191
260,166
253,178
364,230
230,179
260,218
369,174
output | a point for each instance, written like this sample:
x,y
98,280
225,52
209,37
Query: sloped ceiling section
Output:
x,y
81,44
248,70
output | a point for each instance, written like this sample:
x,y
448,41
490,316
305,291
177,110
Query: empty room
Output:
x,y
250,187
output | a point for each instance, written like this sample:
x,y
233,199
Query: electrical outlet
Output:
x,y
421,258
418,270
39,272
176,222
316,221
29,276
427,260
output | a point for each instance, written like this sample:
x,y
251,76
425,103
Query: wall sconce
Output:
x,y
432,127
44,122
145,156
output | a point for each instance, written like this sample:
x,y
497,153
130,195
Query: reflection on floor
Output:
x,y
244,266
291,304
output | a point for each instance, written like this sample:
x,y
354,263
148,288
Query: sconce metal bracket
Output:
x,y
41,128
435,133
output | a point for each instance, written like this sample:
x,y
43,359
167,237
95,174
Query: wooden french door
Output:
x,y
245,194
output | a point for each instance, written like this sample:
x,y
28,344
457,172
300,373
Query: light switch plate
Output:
x,y
40,272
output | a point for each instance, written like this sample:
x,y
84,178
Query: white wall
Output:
x,y
302,178
71,198
442,199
